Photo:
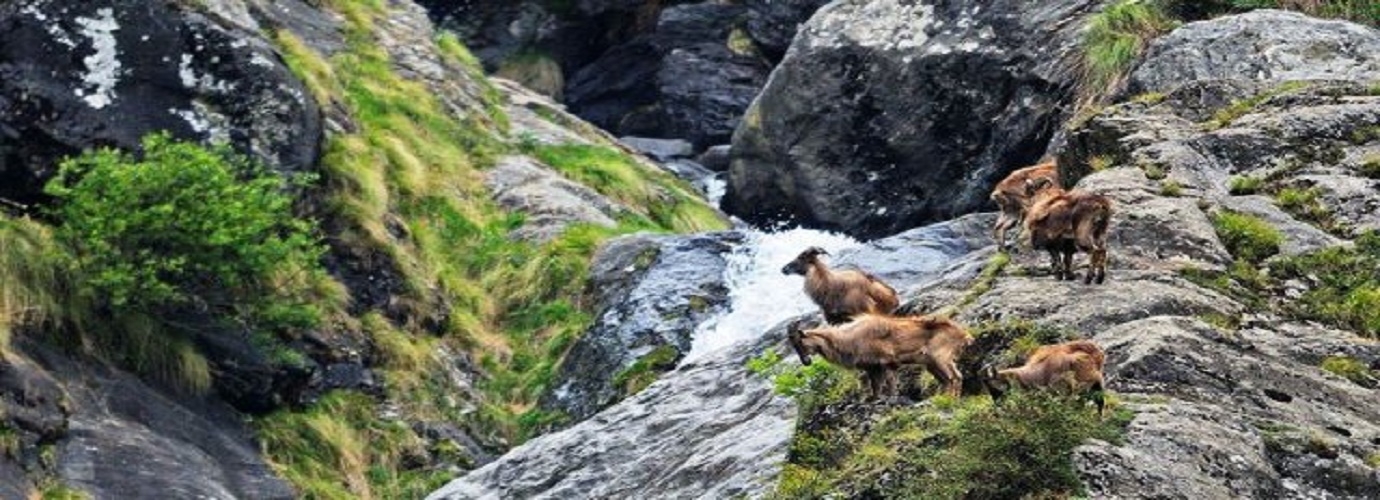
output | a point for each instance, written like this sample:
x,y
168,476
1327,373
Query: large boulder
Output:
x,y
77,74
649,294
1265,45
887,114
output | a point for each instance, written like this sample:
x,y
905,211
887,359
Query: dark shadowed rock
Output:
x,y
1265,45
679,80
648,292
118,437
715,158
773,23
887,114
76,74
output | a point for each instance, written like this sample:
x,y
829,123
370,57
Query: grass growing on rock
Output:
x,y
404,186
967,448
1115,39
1247,237
1343,284
643,372
1243,185
943,447
1349,368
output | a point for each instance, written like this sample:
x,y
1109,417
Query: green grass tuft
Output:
x,y
1244,185
1343,285
1171,189
1349,368
1307,205
1247,237
1370,167
963,449
1242,107
1115,39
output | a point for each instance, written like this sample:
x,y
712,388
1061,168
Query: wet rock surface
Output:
x,y
885,115
648,292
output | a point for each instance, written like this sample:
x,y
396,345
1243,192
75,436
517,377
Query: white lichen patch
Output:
x,y
55,30
206,82
206,121
895,25
103,66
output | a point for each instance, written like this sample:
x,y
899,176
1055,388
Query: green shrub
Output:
x,y
1171,189
1243,185
1154,172
179,224
1247,237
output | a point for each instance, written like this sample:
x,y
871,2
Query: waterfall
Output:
x,y
759,295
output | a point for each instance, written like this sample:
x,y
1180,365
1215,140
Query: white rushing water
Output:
x,y
759,295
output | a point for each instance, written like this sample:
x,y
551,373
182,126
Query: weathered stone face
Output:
x,y
74,74
885,115
1267,46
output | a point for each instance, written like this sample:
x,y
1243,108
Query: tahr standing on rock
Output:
x,y
844,293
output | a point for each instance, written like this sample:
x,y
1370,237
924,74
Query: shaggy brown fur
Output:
x,y
843,293
1064,222
1071,367
878,345
1013,199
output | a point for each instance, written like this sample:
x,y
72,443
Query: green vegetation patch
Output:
x,y
1343,284
643,372
1246,236
1360,11
956,449
1240,185
1242,107
1370,167
1349,368
660,197
339,449
1306,204
1115,39
176,239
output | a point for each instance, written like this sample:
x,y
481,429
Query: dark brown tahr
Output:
x,y
841,294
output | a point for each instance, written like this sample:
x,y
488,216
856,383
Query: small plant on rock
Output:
x,y
1247,237
1244,185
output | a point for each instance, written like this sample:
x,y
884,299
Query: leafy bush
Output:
x,y
1247,237
180,224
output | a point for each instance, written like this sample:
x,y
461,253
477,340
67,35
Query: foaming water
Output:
x,y
759,295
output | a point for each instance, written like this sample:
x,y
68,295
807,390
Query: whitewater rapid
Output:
x,y
759,295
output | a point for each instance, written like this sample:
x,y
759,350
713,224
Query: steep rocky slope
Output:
x,y
1232,377
453,208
